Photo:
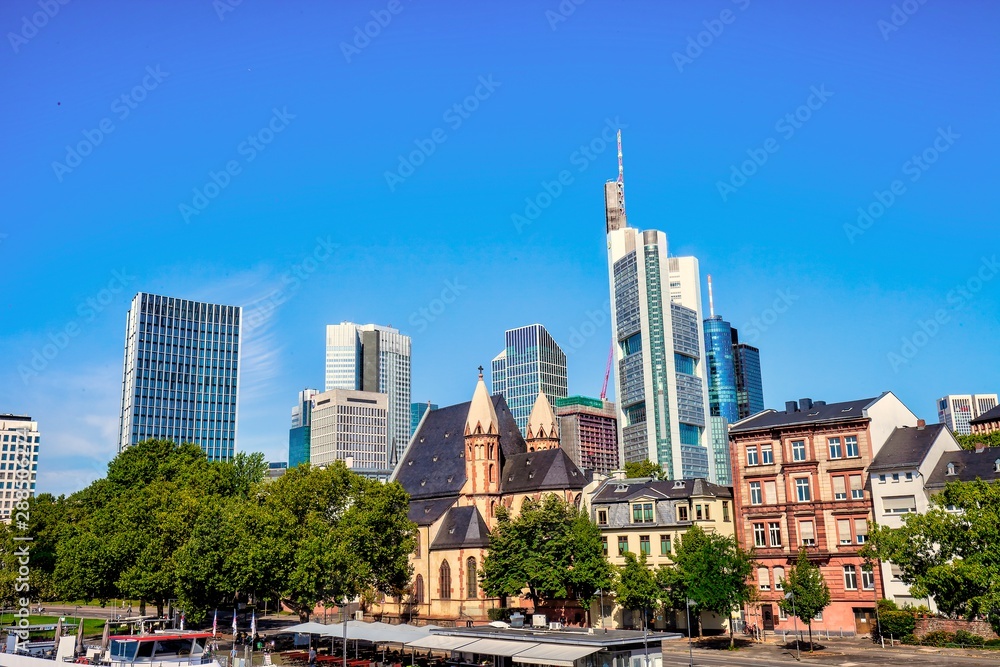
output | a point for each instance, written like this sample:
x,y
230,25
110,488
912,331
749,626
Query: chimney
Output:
x,y
818,404
791,406
618,474
921,424
980,448
806,403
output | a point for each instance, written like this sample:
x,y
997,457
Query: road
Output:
x,y
849,653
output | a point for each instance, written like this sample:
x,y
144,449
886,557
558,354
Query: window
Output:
x,y
444,580
897,573
951,468
861,530
851,444
759,537
867,579
770,492
752,456
844,531
642,513
850,578
766,455
779,578
818,616
857,492
909,477
602,517
604,545
682,513
835,451
755,498
697,513
881,479
774,531
899,505
763,578
418,589
782,616
664,545
839,488
416,550
798,450
725,510
622,545
895,476
471,582
802,489
644,545
996,466
708,512
807,533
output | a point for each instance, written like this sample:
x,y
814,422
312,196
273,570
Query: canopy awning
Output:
x,y
309,628
559,655
497,647
378,632
441,642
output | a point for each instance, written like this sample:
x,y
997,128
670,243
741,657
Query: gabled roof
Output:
x,y
463,527
548,469
433,464
906,447
826,412
988,416
627,490
969,465
542,421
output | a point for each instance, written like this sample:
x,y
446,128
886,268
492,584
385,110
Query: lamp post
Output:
x,y
601,591
645,643
790,595
687,608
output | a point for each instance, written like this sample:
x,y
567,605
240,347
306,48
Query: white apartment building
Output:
x,y
19,441
957,410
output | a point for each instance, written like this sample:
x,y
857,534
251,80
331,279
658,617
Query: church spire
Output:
x,y
482,414
543,429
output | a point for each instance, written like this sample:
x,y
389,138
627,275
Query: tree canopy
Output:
x,y
635,585
805,582
646,468
970,441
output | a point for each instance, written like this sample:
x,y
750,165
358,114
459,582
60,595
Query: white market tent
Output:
x,y
309,628
378,632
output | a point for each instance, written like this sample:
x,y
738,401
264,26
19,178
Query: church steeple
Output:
x,y
482,416
482,451
543,428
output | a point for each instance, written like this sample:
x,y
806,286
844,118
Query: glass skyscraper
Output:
x,y
298,434
530,362
417,411
181,374
721,369
749,386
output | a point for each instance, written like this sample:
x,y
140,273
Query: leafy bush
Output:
x,y
968,638
992,643
937,638
896,623
909,639
885,605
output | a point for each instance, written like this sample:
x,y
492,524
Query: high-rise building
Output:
x,y
957,410
181,374
749,387
298,434
719,463
658,336
417,411
530,362
19,442
351,426
588,429
370,357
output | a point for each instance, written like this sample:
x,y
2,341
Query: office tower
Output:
x,y
957,410
353,427
722,401
275,469
417,411
749,388
298,434
19,441
181,374
530,362
370,357
588,431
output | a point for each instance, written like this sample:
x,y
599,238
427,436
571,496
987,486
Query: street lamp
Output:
x,y
601,591
687,608
790,595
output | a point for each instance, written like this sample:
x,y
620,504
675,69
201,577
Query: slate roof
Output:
x,y
906,447
656,488
988,416
463,528
433,465
426,512
541,471
818,413
968,466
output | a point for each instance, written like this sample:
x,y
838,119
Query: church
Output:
x,y
463,462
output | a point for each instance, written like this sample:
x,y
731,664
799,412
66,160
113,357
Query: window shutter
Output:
x,y
861,529
855,483
899,504
806,531
763,578
844,531
771,493
839,490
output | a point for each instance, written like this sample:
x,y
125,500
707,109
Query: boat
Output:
x,y
164,648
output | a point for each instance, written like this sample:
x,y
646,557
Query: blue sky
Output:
x,y
252,137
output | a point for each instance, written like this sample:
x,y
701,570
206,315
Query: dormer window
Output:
x,y
679,484
621,488
951,468
642,513
996,466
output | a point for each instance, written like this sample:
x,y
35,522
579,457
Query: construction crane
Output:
x,y
607,372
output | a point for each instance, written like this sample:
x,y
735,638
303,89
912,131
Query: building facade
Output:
x,y
19,443
799,478
749,384
374,358
988,422
720,466
298,434
959,410
417,411
588,429
181,374
351,426
530,362
719,352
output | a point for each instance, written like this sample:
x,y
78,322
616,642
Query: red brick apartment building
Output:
x,y
800,480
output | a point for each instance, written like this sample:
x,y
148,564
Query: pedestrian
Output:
x,y
232,656
312,656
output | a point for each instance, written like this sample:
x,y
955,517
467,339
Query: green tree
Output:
x,y
805,582
950,554
970,441
635,585
646,468
590,570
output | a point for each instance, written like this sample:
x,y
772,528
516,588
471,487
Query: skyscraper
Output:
x,y
749,387
530,362
722,396
417,411
370,357
298,434
181,374
351,426
957,410
588,431
19,442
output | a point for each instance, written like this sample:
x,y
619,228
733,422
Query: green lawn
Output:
x,y
92,627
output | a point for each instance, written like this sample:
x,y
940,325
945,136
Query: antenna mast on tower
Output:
x,y
711,305
621,178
